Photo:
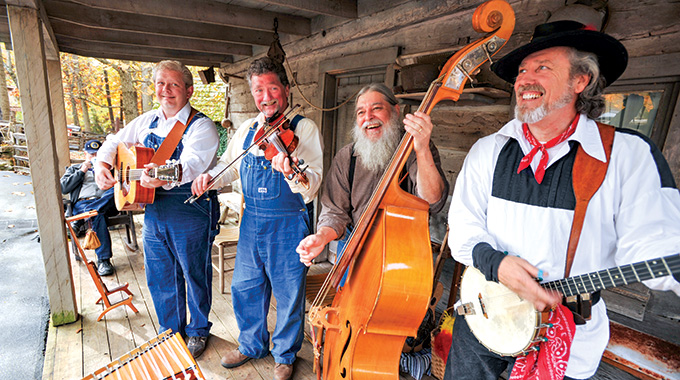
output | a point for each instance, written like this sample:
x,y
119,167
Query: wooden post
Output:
x,y
58,114
32,73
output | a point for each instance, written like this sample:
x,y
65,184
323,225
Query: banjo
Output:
x,y
509,325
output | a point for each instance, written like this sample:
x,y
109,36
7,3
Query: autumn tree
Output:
x,y
109,86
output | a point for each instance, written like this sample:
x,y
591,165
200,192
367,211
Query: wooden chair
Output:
x,y
228,236
92,269
230,200
124,218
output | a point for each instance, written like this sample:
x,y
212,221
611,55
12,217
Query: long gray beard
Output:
x,y
536,115
375,156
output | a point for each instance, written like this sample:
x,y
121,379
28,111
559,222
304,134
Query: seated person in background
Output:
x,y
351,181
78,182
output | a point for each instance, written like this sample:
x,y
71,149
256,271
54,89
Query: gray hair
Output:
x,y
591,100
266,65
382,89
174,66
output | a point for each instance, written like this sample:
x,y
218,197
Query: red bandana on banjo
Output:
x,y
550,361
543,163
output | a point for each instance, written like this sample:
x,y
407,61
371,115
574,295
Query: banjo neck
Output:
x,y
617,276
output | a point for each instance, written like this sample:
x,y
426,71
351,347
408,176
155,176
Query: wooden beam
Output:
x,y
29,53
206,11
51,49
337,8
4,30
131,22
653,66
144,53
97,35
86,52
58,115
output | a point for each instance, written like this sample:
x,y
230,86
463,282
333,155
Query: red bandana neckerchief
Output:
x,y
537,146
550,361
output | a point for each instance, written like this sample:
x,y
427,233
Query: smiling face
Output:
x,y
271,97
544,85
171,91
373,114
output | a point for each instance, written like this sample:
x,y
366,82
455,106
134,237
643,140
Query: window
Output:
x,y
642,106
632,110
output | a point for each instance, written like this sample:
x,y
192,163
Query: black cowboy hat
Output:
x,y
611,54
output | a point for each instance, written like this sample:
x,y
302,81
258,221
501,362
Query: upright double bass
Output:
x,y
389,283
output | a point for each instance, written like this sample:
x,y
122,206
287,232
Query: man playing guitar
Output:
x,y
177,236
514,201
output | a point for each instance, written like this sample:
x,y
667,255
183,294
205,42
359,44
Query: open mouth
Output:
x,y
373,124
531,95
531,92
269,103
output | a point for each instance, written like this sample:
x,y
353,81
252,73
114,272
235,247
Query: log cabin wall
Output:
x,y
429,31
423,30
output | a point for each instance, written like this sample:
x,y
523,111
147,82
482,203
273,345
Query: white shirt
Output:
x,y
200,140
309,148
629,219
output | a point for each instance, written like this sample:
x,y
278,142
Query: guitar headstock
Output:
x,y
171,172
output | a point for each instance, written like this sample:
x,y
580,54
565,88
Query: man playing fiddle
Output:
x,y
358,167
514,200
276,217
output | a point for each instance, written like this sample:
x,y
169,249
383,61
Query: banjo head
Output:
x,y
502,321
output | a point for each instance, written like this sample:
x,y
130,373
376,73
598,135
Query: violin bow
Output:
x,y
268,131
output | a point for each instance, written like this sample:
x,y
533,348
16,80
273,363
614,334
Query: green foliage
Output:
x,y
208,99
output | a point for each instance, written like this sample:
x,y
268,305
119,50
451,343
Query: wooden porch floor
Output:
x,y
74,351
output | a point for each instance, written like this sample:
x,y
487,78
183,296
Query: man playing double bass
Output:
x,y
514,201
358,167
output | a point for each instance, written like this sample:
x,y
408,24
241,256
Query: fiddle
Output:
x,y
282,140
270,128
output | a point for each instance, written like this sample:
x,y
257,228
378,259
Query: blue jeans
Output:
x,y
177,242
103,206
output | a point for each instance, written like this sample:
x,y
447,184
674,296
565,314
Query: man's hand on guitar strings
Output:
x,y
520,277
103,176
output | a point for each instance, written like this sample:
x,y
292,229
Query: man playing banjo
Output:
x,y
514,201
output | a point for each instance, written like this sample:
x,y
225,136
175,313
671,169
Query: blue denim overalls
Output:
x,y
177,242
273,223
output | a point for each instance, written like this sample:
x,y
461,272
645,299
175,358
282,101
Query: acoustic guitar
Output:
x,y
129,194
509,325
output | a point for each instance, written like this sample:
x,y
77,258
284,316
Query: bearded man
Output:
x,y
358,167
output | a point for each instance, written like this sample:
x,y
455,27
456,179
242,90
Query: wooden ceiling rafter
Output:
x,y
95,35
204,11
337,8
143,53
203,32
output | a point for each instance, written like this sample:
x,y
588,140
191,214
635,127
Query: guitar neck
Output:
x,y
617,276
136,174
